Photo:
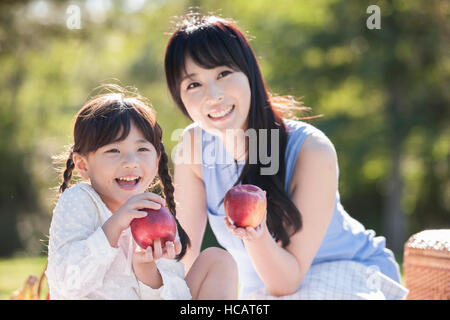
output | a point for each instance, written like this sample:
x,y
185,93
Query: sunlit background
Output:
x,y
384,95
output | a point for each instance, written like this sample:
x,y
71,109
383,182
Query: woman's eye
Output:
x,y
224,73
193,85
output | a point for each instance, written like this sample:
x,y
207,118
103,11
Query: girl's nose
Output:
x,y
129,161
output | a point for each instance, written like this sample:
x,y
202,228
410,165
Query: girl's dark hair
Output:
x,y
211,42
106,118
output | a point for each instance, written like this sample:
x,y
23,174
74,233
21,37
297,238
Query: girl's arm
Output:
x,y
79,253
144,261
313,191
190,194
144,266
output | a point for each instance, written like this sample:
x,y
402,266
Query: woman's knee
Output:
x,y
214,275
219,257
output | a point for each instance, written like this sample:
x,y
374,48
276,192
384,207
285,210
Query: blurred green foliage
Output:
x,y
383,93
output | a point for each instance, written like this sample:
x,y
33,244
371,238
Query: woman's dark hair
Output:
x,y
106,118
211,42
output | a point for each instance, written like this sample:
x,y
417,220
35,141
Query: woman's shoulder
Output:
x,y
189,149
310,138
297,127
318,145
314,142
316,154
191,129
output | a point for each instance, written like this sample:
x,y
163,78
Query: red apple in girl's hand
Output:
x,y
157,224
245,205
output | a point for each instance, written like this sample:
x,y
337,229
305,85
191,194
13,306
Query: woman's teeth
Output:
x,y
221,113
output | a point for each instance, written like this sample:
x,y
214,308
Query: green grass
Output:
x,y
15,271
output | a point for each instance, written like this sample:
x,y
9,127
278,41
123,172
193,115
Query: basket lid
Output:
x,y
435,240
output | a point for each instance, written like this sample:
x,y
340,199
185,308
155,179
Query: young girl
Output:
x,y
118,150
308,246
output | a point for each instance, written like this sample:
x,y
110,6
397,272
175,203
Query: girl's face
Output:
x,y
217,98
121,169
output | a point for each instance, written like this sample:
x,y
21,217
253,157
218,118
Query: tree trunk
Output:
x,y
394,219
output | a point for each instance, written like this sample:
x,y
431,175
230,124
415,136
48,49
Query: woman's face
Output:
x,y
217,99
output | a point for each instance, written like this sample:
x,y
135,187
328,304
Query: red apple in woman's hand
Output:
x,y
157,224
245,205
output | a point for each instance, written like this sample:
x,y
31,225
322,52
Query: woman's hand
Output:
x,y
247,233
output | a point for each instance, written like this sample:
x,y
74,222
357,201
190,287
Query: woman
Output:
x,y
307,247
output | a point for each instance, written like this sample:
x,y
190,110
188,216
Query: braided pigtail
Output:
x,y
166,179
67,174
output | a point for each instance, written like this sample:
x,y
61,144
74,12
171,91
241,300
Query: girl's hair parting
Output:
x,y
106,118
212,41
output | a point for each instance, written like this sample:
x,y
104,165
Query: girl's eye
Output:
x,y
143,149
193,85
224,73
113,151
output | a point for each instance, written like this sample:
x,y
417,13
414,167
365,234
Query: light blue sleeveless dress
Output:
x,y
345,240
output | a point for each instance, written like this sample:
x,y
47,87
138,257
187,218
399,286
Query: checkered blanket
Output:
x,y
341,280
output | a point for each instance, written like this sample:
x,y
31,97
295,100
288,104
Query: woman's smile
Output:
x,y
222,114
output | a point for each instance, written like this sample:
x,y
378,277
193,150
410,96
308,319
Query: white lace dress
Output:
x,y
83,265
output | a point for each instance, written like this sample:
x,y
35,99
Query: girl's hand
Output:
x,y
169,251
130,209
247,233
144,261
122,218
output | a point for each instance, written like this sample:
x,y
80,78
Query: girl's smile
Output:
x,y
120,169
128,183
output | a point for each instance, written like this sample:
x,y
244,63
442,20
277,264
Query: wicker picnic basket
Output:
x,y
426,265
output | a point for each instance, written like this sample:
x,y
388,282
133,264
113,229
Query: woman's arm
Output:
x,y
190,194
313,191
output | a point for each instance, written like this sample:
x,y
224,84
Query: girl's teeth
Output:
x,y
128,182
128,179
222,113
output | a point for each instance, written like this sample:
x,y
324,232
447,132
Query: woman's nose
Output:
x,y
214,94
